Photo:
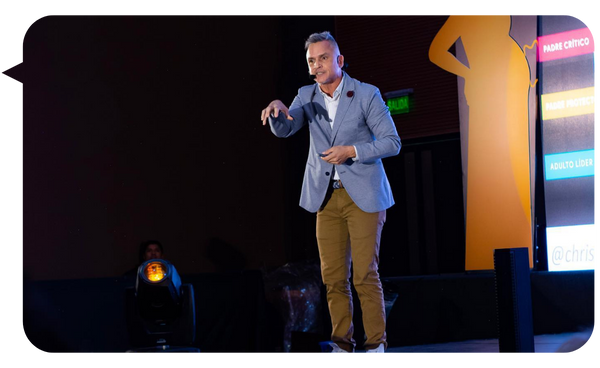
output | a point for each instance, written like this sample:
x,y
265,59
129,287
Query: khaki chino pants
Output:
x,y
348,236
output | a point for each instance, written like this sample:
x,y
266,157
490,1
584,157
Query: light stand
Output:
x,y
160,310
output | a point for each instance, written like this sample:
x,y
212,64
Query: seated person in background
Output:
x,y
150,249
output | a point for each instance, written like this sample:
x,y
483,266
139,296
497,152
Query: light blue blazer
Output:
x,y
362,120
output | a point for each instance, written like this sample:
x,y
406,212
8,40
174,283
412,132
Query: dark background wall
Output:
x,y
148,128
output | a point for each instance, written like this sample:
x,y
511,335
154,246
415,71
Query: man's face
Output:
x,y
153,252
324,62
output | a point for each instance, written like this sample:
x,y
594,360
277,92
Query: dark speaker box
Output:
x,y
513,300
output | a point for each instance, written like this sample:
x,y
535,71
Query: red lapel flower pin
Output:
x,y
350,93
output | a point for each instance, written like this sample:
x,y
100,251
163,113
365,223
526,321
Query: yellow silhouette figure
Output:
x,y
497,82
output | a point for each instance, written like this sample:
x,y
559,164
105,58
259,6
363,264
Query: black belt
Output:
x,y
337,184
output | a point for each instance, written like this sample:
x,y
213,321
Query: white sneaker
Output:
x,y
379,349
334,350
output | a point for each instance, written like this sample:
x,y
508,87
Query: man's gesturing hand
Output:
x,y
275,107
337,155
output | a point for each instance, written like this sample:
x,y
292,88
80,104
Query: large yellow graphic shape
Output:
x,y
497,82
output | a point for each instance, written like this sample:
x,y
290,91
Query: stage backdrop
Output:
x,y
142,128
566,56
496,94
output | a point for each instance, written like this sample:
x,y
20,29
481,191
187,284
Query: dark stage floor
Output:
x,y
455,313
565,342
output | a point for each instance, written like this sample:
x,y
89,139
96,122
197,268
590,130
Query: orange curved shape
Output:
x,y
497,82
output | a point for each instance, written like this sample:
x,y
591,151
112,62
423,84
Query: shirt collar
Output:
x,y
338,90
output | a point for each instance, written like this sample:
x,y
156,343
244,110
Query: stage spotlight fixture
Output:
x,y
160,309
158,290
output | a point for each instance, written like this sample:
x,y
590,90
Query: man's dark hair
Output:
x,y
145,245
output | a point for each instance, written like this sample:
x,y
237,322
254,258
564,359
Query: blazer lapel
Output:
x,y
345,99
320,112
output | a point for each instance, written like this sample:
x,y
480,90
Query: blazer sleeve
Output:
x,y
386,141
282,127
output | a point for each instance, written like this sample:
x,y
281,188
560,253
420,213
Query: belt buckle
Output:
x,y
337,184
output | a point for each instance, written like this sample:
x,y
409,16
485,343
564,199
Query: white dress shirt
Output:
x,y
331,105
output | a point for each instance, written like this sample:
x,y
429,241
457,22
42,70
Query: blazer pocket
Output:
x,y
352,126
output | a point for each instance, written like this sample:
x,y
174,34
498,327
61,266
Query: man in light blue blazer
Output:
x,y
345,183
